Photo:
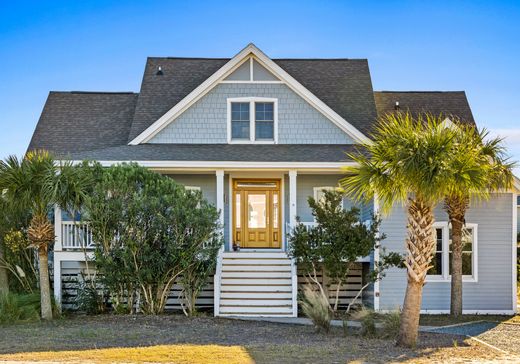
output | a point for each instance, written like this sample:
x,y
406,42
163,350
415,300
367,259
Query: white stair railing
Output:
x,y
76,235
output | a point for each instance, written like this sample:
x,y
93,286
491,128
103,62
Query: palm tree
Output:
x,y
37,183
478,166
405,163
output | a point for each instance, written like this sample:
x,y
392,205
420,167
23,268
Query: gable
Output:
x,y
250,71
230,67
205,122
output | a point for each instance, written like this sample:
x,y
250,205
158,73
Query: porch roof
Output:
x,y
221,152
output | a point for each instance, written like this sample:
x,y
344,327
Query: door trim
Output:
x,y
233,182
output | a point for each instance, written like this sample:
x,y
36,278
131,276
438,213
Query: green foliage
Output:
x,y
367,318
316,307
407,155
89,299
336,241
196,272
19,308
149,231
391,324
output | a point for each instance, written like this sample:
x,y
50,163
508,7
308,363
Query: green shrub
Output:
x,y
368,322
316,307
19,307
391,324
88,299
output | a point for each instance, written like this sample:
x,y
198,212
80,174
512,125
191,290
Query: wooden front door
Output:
x,y
257,213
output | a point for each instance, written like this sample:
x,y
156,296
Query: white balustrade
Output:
x,y
76,235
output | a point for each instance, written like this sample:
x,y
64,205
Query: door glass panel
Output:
x,y
257,184
275,210
256,206
237,210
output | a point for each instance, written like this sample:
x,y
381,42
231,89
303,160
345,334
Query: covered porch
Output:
x,y
259,207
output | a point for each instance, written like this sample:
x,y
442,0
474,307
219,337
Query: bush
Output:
x,y
88,299
316,307
149,232
391,324
19,308
368,322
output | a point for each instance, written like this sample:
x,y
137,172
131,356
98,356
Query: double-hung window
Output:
x,y
252,120
441,262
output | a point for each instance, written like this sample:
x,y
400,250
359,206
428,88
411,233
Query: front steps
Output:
x,y
259,284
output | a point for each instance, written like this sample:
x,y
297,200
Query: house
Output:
x,y
258,136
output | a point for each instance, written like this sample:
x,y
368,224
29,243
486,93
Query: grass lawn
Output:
x,y
176,339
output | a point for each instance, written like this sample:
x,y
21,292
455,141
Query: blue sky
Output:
x,y
411,45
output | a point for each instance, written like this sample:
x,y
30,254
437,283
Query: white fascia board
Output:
x,y
229,67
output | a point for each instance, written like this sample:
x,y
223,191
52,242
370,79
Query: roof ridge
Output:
x,y
96,92
274,59
417,92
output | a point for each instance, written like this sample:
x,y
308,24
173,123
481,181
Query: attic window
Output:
x,y
252,120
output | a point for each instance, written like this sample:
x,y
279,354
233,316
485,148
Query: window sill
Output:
x,y
251,142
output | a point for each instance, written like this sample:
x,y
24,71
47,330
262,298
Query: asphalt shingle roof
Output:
x,y
343,84
76,121
221,152
449,103
98,125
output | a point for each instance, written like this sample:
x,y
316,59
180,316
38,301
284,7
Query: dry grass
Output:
x,y
177,339
179,354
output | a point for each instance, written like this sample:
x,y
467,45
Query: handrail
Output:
x,y
76,235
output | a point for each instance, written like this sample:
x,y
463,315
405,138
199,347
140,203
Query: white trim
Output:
x,y
293,175
251,76
227,69
252,120
243,165
446,277
57,229
377,289
251,82
514,253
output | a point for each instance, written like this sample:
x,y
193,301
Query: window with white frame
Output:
x,y
319,193
441,263
252,120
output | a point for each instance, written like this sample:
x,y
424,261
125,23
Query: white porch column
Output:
x,y
220,195
57,228
218,272
57,259
292,223
292,197
376,258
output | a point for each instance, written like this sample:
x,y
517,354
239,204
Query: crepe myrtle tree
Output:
x,y
36,183
406,162
337,240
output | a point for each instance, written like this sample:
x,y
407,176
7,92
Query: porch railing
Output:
x,y
76,235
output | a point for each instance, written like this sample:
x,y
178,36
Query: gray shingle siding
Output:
x,y
493,291
206,121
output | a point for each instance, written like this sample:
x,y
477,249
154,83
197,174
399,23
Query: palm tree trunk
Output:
x,y
4,280
420,245
456,207
456,269
45,287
